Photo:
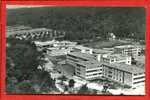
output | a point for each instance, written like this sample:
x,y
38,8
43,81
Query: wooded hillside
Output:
x,y
83,22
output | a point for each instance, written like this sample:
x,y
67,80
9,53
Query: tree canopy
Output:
x,y
83,22
22,73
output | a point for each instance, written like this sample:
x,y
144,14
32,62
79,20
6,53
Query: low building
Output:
x,y
36,33
57,51
44,44
64,44
83,49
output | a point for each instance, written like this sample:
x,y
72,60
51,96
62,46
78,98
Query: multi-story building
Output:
x,y
116,58
85,65
124,74
131,50
88,70
74,57
89,67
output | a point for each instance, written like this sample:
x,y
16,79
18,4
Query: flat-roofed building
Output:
x,y
64,44
55,51
89,67
83,49
86,65
88,70
74,57
36,33
116,58
131,50
124,74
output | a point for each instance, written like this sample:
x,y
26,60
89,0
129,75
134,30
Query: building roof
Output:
x,y
82,47
82,55
101,51
126,46
127,68
116,56
90,64
27,31
44,43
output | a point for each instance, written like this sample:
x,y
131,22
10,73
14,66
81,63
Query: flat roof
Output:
x,y
44,43
82,55
81,47
127,68
101,51
90,64
26,31
117,56
126,46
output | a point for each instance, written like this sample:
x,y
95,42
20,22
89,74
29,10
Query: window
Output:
x,y
110,76
112,60
78,73
138,77
138,82
78,69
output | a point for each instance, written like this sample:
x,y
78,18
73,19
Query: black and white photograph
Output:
x,y
75,50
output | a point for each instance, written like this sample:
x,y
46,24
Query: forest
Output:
x,y
83,22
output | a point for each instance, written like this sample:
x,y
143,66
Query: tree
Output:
x,y
22,73
71,83
83,90
83,23
105,88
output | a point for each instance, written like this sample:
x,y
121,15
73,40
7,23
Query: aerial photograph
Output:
x,y
75,50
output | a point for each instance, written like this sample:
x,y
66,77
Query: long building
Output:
x,y
131,50
90,67
124,74
34,34
116,58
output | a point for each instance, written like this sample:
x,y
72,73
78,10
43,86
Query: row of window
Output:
x,y
138,78
139,82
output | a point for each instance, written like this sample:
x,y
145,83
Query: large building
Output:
x,y
88,67
116,58
33,34
56,48
124,74
131,50
83,49
85,65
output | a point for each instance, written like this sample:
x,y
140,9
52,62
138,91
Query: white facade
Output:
x,y
123,73
131,50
